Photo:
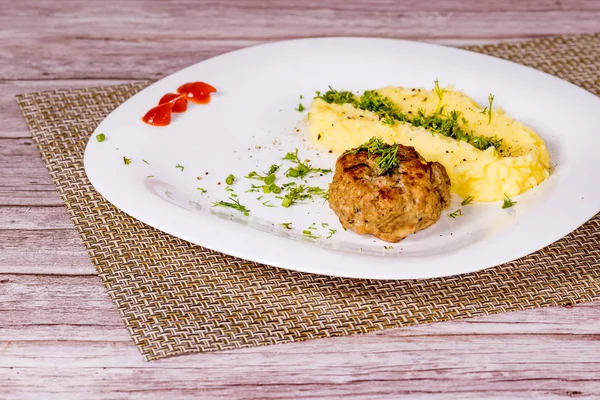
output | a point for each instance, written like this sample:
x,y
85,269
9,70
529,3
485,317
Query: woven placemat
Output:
x,y
176,297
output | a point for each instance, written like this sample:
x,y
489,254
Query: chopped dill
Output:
x,y
331,233
467,200
295,194
439,92
228,189
235,204
308,233
202,190
445,124
287,225
302,168
300,108
268,204
456,213
181,167
388,120
489,113
126,160
387,154
507,202
145,161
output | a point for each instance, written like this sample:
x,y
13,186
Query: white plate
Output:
x,y
258,91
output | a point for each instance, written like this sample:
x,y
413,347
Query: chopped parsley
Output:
x,y
287,225
202,190
300,108
229,180
387,154
126,160
467,200
181,167
235,204
508,203
101,137
302,168
456,213
445,124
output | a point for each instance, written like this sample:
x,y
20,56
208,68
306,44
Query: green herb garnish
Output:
x,y
388,120
302,168
295,194
331,233
467,200
101,137
228,189
300,108
268,204
308,233
387,154
229,180
456,213
126,160
145,161
508,203
445,124
235,204
202,190
490,100
268,178
439,92
317,191
150,176
181,167
287,225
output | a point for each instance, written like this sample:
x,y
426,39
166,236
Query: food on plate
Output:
x,y
196,92
487,154
388,190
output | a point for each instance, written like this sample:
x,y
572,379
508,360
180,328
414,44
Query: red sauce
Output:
x,y
179,101
159,115
196,92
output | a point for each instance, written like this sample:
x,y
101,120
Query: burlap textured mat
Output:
x,y
177,298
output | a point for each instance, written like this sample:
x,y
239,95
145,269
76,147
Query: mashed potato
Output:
x,y
517,163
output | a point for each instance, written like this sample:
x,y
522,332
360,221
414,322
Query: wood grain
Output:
x,y
60,335
146,39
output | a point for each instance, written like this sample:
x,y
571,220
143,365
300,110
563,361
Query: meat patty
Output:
x,y
389,205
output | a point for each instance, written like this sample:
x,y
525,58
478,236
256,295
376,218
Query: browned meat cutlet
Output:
x,y
392,204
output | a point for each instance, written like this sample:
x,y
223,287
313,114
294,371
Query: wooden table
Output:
x,y
61,337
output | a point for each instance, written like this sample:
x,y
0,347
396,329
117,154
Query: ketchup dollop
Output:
x,y
179,101
196,92
159,115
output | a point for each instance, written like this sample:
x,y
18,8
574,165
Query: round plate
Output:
x,y
253,122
